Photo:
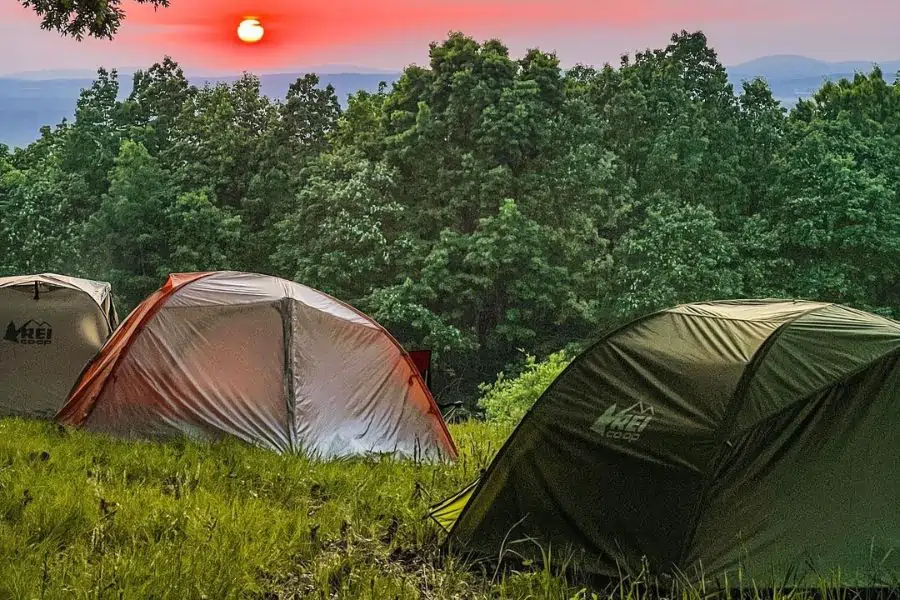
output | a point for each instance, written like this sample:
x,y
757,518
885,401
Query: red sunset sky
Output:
x,y
389,34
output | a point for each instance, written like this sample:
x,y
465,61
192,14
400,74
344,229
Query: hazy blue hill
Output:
x,y
45,74
31,99
791,66
792,76
28,102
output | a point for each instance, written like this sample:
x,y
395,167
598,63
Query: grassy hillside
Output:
x,y
85,516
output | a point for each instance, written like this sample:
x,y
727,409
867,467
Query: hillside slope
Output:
x,y
84,516
792,77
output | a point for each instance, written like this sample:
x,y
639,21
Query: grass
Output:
x,y
85,516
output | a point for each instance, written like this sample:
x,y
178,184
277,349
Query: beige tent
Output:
x,y
53,325
266,360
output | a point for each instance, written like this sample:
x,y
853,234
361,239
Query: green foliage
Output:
x,y
144,230
349,225
201,235
676,253
838,222
482,204
152,109
38,228
507,400
505,196
96,18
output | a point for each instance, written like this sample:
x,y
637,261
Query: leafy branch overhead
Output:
x,y
77,18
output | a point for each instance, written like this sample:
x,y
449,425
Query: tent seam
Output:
x,y
730,420
893,354
734,320
287,321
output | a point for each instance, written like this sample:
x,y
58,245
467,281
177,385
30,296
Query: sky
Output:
x,y
390,34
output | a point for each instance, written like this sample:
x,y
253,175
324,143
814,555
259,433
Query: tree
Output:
x,y
676,254
299,131
218,139
41,227
90,144
158,96
672,118
126,241
201,236
343,237
507,196
360,125
761,126
839,217
307,117
509,282
96,18
145,229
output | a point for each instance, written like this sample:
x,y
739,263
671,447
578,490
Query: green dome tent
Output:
x,y
760,436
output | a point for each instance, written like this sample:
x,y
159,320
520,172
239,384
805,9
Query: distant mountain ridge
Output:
x,y
793,66
27,104
29,100
127,72
792,76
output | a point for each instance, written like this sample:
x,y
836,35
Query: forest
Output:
x,y
485,206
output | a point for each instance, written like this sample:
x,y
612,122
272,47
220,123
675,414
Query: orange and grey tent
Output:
x,y
53,325
272,362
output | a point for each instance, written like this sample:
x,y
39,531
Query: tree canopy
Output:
x,y
483,205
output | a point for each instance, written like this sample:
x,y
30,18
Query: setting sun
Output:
x,y
250,30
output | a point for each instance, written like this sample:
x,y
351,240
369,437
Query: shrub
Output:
x,y
507,400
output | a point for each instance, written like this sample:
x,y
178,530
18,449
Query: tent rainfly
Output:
x,y
760,435
53,325
269,361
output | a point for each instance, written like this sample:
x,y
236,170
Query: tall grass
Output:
x,y
85,516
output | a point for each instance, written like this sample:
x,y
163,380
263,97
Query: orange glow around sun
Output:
x,y
207,34
250,30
